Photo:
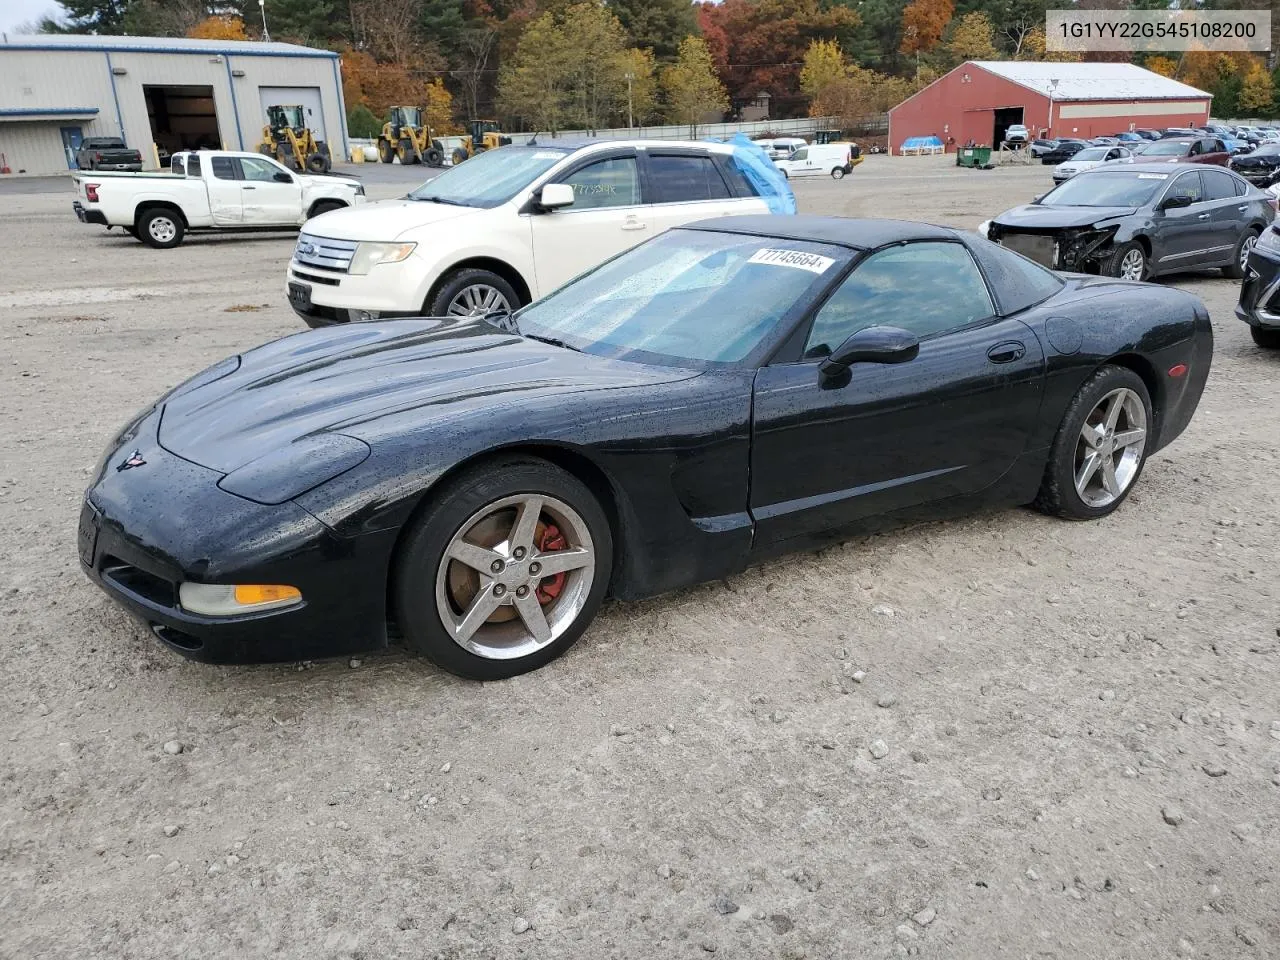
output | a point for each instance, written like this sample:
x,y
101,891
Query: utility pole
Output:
x,y
630,77
266,34
1053,86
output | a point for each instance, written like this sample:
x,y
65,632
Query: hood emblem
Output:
x,y
135,460
307,249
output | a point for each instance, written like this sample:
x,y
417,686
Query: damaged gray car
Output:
x,y
1139,222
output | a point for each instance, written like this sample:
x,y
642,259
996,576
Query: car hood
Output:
x,y
1040,216
384,220
319,181
346,379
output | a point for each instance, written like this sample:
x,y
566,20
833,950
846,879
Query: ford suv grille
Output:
x,y
324,253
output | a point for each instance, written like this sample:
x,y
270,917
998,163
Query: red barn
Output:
x,y
980,99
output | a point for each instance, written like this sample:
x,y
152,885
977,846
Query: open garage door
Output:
x,y
307,97
182,118
1005,118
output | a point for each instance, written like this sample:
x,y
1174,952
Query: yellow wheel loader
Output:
x,y
406,137
485,135
288,138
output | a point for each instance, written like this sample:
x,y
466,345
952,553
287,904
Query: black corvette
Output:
x,y
723,393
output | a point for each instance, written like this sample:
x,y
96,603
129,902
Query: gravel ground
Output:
x,y
1006,736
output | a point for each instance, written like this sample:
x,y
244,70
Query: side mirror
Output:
x,y
872,345
1174,202
553,196
283,177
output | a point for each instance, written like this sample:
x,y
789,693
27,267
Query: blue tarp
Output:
x,y
750,158
915,143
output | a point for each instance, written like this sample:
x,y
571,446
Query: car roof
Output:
x,y
584,143
1152,167
854,232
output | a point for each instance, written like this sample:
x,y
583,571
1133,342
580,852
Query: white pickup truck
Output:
x,y
209,190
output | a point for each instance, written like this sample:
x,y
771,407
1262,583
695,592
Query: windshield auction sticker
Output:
x,y
1088,31
792,258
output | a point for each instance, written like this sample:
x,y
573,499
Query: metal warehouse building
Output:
x,y
174,93
979,100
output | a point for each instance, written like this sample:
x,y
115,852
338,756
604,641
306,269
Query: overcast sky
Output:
x,y
17,13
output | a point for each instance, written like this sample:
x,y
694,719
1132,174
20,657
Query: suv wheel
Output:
x,y
473,293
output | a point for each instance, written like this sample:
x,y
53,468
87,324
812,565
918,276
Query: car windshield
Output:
x,y
1266,150
1106,188
1093,153
688,298
1169,148
491,177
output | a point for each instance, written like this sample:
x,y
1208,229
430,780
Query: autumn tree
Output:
x,y
379,86
1165,66
923,23
1033,48
693,90
972,38
219,28
1256,92
824,65
640,66
535,83
596,73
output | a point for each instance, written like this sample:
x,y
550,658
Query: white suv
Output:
x,y
508,226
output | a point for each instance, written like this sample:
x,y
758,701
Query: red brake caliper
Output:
x,y
552,540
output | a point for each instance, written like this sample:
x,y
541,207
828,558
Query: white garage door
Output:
x,y
309,97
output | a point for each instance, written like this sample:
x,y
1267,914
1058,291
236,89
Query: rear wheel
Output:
x,y
433,157
1270,339
1240,258
1101,446
505,570
160,227
459,156
473,293
1127,261
837,173
318,163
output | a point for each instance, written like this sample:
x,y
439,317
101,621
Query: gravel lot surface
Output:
x,y
1005,736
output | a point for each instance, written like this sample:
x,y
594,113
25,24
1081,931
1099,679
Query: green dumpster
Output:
x,y
975,157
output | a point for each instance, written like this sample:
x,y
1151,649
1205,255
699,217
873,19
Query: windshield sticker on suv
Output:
x,y
1153,176
792,258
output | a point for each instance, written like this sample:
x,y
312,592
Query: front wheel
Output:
x,y
473,293
1267,338
160,228
1240,257
386,154
1100,448
433,157
1127,261
459,156
318,163
505,570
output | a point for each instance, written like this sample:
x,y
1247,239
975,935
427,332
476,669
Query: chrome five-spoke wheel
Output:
x,y
1109,451
515,576
478,300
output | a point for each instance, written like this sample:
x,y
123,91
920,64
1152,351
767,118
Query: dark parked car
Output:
x,y
1039,148
1190,149
107,153
1148,134
1258,166
1179,132
1139,221
1259,304
730,390
1065,150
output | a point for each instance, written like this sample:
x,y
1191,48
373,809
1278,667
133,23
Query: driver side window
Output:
x,y
899,287
260,170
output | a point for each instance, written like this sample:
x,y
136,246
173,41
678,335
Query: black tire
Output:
x,y
1057,494
418,560
433,157
458,281
160,227
1269,339
837,173
286,158
459,156
1113,264
385,152
405,151
1235,269
318,163
324,206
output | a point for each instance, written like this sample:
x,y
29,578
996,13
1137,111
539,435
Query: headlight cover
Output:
x,y
369,255
293,470
229,600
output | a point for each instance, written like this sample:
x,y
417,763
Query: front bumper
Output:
x,y
324,297
145,530
1259,304
85,215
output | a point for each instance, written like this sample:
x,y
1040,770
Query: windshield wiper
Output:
x,y
553,341
452,203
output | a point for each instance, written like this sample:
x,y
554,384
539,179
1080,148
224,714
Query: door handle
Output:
x,y
631,223
1243,207
1007,352
1203,216
249,188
